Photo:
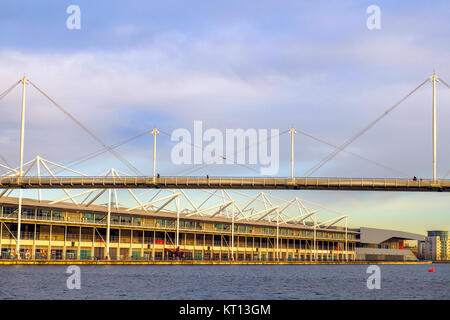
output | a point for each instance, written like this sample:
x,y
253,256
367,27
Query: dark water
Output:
x,y
226,282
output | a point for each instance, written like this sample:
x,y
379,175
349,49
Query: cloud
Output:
x,y
126,30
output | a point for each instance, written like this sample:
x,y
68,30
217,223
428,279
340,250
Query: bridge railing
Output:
x,y
202,181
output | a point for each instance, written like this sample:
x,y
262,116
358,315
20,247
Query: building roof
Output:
x,y
375,236
161,214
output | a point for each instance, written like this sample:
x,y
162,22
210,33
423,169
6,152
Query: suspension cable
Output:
x,y
2,95
114,146
360,133
352,153
448,86
5,93
188,170
106,146
442,80
446,174
193,168
4,160
103,150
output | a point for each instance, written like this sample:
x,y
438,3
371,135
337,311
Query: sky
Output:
x,y
238,64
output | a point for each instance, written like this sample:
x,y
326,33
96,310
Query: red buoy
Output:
x,y
431,270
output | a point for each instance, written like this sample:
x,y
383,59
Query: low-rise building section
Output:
x,y
385,245
435,246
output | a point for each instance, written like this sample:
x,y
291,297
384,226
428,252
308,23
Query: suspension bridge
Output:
x,y
15,179
260,208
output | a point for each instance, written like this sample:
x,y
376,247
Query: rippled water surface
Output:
x,y
226,282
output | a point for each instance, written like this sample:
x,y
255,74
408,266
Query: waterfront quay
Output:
x,y
10,262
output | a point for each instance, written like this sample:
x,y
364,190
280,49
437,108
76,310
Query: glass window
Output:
x,y
57,215
43,214
100,218
8,210
125,219
88,217
27,213
160,223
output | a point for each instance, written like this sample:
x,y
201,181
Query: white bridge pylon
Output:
x,y
237,206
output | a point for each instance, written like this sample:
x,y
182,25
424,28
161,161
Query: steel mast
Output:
x,y
434,79
24,82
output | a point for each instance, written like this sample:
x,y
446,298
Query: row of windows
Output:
x,y
31,213
45,214
194,225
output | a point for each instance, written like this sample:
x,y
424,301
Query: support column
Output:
x,y
93,244
65,239
19,223
203,247
79,246
143,243
195,243
221,245
315,240
232,235
177,236
328,249
245,248
164,245
260,247
346,242
238,239
130,252
154,243
49,253
118,248
278,235
1,237
108,226
253,247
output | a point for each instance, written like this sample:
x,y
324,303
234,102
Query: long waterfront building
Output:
x,y
68,232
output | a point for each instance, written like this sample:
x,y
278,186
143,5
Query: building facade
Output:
x,y
435,247
65,231
384,245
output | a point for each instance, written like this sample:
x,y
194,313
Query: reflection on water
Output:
x,y
226,282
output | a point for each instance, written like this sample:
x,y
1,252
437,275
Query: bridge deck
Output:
x,y
299,183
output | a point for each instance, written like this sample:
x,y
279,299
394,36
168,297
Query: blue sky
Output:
x,y
249,64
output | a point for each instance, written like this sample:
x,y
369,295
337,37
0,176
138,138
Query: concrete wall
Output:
x,y
375,254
